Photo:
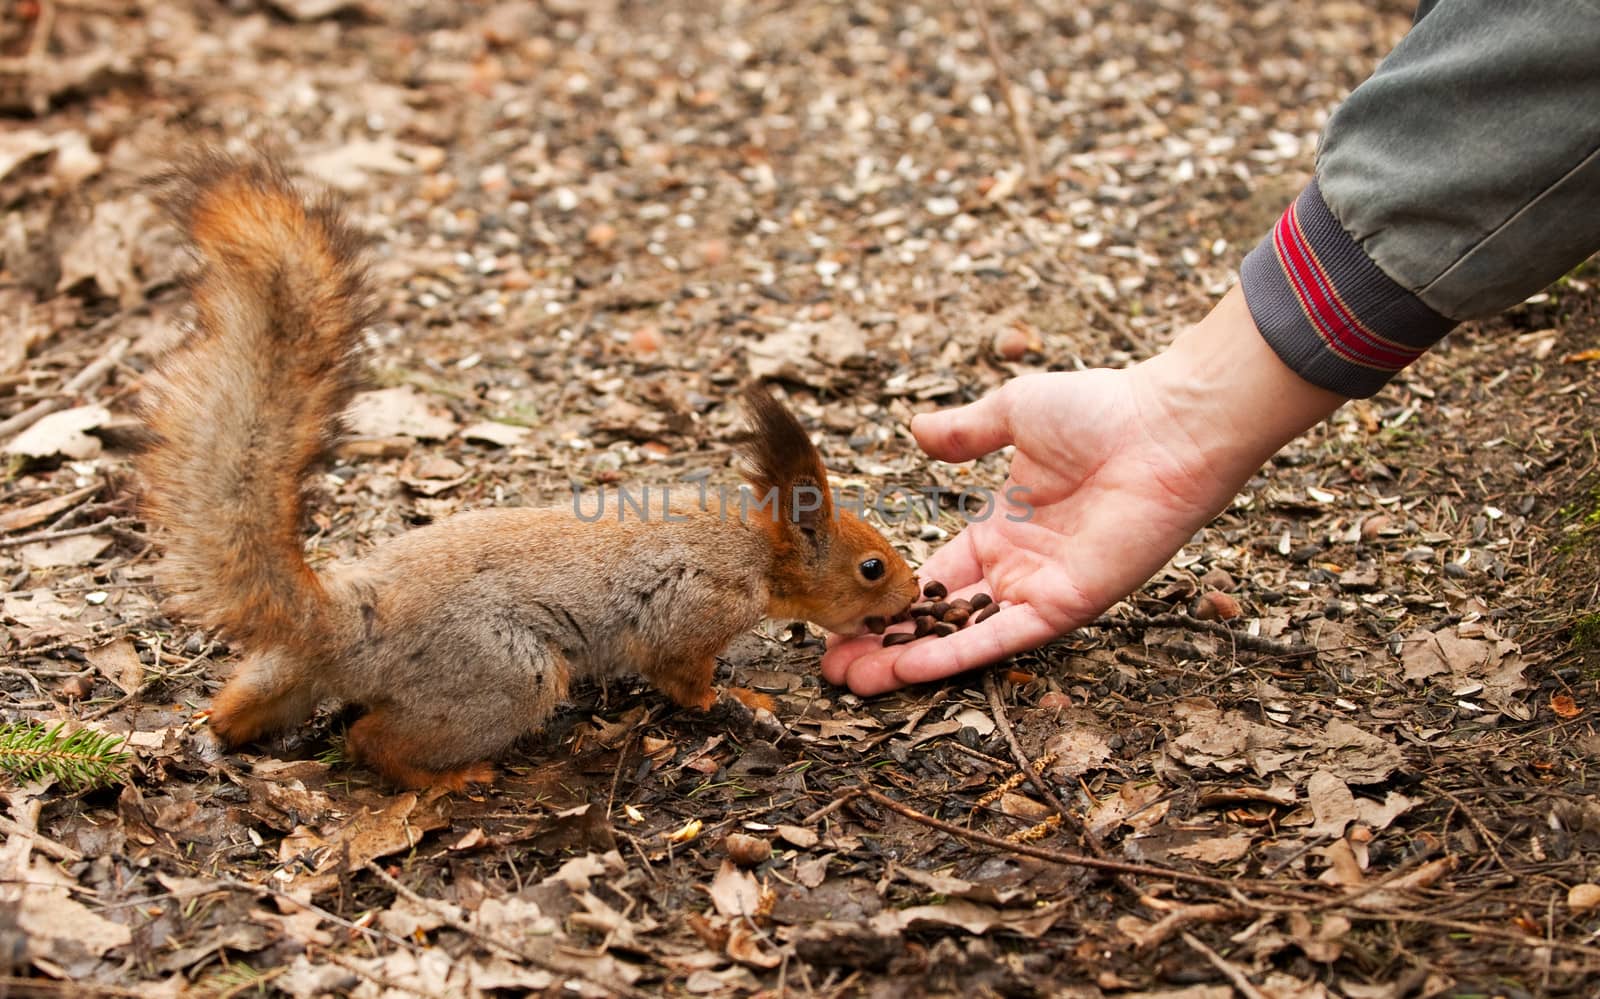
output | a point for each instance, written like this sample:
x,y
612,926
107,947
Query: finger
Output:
x,y
966,432
842,651
875,671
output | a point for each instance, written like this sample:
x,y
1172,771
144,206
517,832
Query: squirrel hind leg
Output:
x,y
392,746
262,698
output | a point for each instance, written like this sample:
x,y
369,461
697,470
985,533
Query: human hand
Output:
x,y
1118,468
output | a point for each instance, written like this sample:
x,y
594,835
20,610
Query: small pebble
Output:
x,y
898,638
935,590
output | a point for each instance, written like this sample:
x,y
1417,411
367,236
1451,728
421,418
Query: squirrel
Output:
x,y
456,638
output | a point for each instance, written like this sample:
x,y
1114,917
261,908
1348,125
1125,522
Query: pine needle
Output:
x,y
79,761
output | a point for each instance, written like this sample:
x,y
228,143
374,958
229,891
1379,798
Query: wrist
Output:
x,y
1225,395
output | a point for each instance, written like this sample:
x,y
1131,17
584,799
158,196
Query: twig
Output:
x,y
224,881
39,841
1250,643
1231,971
1028,146
997,708
549,963
28,539
1160,931
1488,837
99,638
1078,859
152,681
84,380
14,985
382,981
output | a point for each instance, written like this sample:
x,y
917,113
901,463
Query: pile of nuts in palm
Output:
x,y
935,616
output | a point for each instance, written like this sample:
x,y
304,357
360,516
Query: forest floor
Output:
x,y
591,224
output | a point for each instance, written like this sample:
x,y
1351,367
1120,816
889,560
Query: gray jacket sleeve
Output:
x,y
1463,176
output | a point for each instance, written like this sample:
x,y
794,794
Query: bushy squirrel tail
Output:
x,y
243,411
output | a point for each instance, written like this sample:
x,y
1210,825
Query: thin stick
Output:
x,y
997,708
1240,981
39,841
84,380
69,532
1028,146
1250,643
1488,837
1078,859
549,963
1162,929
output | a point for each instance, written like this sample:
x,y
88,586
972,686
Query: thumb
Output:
x,y
966,432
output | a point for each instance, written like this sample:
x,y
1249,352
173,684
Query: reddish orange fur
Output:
x,y
460,636
389,745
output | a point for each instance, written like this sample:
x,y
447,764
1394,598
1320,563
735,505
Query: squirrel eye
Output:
x,y
872,569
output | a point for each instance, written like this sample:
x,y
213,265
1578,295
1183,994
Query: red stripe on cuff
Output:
x,y
1338,327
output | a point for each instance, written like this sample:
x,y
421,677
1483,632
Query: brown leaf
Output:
x,y
62,433
398,411
734,892
1564,706
369,834
119,662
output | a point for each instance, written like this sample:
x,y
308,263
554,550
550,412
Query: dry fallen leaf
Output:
x,y
79,549
734,892
62,434
400,410
1564,706
118,662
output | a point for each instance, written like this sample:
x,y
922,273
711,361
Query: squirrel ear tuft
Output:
x,y
779,455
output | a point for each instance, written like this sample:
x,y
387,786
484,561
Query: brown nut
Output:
x,y
961,603
899,638
920,610
934,590
944,629
986,613
939,609
957,616
875,624
924,627
747,851
980,600
1214,605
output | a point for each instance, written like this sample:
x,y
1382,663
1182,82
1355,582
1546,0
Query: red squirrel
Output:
x,y
456,638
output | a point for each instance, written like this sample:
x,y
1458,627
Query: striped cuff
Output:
x,y
1328,311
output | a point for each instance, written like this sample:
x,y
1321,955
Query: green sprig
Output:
x,y
82,760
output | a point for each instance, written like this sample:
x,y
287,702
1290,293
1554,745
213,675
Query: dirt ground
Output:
x,y
591,224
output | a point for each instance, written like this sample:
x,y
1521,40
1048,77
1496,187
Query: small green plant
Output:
x,y
237,979
85,759
1586,633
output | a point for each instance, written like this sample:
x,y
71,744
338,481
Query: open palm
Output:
x,y
1119,468
1099,496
